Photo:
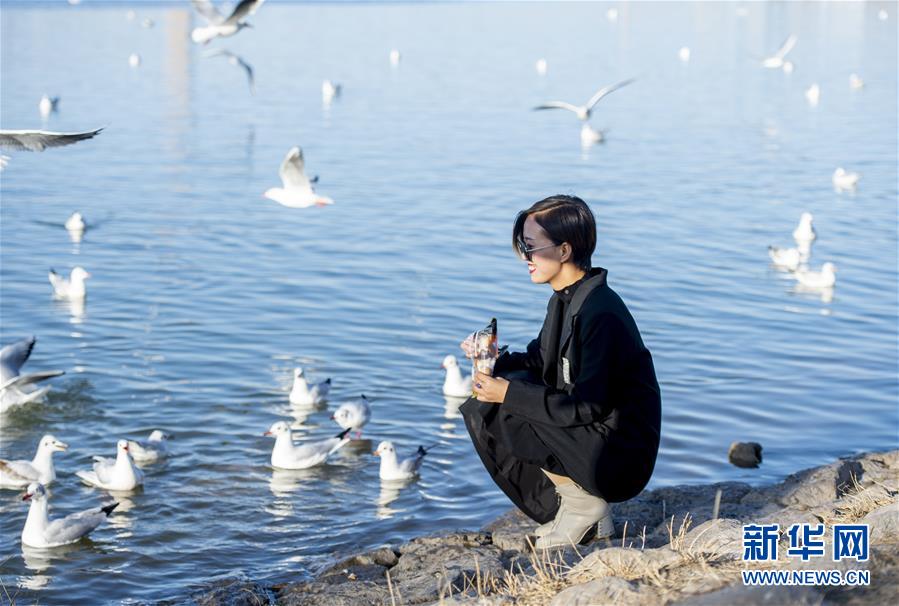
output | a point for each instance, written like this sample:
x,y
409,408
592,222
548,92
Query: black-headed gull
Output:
x,y
40,532
813,94
788,258
455,384
297,191
219,25
392,468
825,278
353,415
72,287
842,179
776,60
39,140
134,60
19,474
47,105
76,222
303,394
15,387
541,66
117,474
684,54
150,450
395,57
583,112
286,455
591,136
237,61
805,231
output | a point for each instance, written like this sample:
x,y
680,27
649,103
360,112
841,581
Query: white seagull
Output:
x,y
150,450
39,140
813,94
40,532
591,136
844,180
302,394
134,60
237,61
353,415
788,258
776,60
47,105
297,191
117,474
19,474
76,226
541,66
219,25
285,455
15,388
856,82
825,278
73,287
392,468
394,57
583,112
805,231
684,54
330,90
455,384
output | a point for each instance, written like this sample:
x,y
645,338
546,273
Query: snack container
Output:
x,y
485,351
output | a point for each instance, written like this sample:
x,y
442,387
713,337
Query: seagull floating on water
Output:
x,y
237,61
844,180
825,278
353,415
591,136
813,94
684,54
395,57
330,90
71,288
15,388
776,60
286,455
19,474
392,468
541,66
455,383
805,231
117,474
302,394
583,112
612,15
856,82
39,140
788,258
134,60
297,191
48,105
41,533
219,25
152,449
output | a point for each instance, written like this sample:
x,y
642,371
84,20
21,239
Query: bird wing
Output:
x,y
558,105
19,471
412,464
787,46
39,140
14,356
74,526
60,284
30,378
103,469
249,70
244,9
292,172
208,11
605,90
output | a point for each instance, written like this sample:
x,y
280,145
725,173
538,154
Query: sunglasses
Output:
x,y
527,254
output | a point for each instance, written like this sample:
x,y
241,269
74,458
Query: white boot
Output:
x,y
577,515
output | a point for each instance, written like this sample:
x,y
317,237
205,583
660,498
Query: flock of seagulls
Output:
x,y
795,260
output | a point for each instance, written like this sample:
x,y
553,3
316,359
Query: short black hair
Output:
x,y
564,219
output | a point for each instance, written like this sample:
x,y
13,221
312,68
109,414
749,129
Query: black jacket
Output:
x,y
591,400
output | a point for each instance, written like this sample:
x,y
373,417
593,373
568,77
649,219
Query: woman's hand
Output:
x,y
468,345
490,389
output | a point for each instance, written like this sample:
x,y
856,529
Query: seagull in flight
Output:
x,y
776,60
297,191
583,111
237,61
39,140
219,25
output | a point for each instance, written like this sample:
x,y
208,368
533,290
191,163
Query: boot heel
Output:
x,y
605,527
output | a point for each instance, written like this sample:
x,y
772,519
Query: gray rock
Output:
x,y
719,538
738,595
228,591
616,561
509,530
608,590
884,523
347,593
809,488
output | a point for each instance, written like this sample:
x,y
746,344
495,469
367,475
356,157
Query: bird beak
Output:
x,y
377,453
268,433
125,447
27,496
332,417
61,445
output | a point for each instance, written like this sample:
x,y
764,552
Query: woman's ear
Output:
x,y
565,248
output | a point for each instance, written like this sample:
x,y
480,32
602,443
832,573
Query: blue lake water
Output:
x,y
204,296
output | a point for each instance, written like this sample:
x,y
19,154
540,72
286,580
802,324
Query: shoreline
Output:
x,y
671,547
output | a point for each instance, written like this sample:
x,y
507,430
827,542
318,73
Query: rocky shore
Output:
x,y
679,545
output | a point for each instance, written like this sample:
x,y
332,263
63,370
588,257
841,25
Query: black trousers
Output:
x,y
514,456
